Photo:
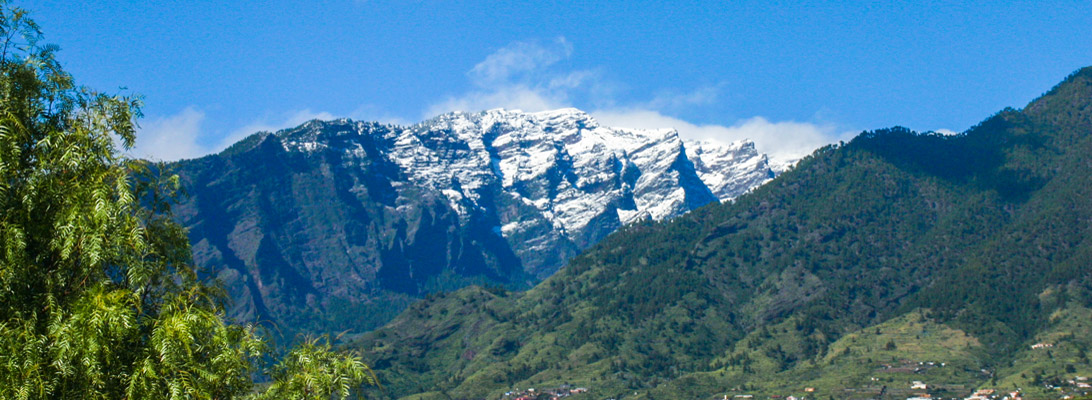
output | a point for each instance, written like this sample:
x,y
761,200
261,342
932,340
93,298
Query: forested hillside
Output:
x,y
337,226
895,257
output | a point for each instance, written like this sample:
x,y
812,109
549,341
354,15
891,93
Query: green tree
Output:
x,y
313,371
98,299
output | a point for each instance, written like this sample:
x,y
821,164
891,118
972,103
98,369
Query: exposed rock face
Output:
x,y
309,222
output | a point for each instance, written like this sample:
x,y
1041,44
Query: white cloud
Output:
x,y
513,97
520,76
181,136
784,142
515,61
524,75
573,80
671,99
368,112
271,124
170,138
946,132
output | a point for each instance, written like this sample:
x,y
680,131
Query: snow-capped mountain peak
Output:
x,y
559,176
728,167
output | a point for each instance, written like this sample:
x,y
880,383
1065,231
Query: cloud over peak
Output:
x,y
522,75
525,75
784,141
515,61
182,135
529,76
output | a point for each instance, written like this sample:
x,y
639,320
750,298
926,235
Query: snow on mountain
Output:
x,y
727,168
333,215
558,179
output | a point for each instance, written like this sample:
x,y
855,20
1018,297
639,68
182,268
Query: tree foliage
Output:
x,y
313,371
98,298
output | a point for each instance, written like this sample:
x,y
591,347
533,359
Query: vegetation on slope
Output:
x,y
98,299
973,243
330,240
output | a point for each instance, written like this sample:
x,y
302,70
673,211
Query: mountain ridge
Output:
x,y
311,225
832,276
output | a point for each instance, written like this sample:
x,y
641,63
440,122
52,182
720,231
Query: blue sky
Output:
x,y
790,75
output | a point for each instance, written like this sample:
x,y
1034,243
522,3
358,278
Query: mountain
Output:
x,y
958,261
338,225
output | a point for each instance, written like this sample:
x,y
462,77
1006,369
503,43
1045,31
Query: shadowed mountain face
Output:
x,y
338,225
848,274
